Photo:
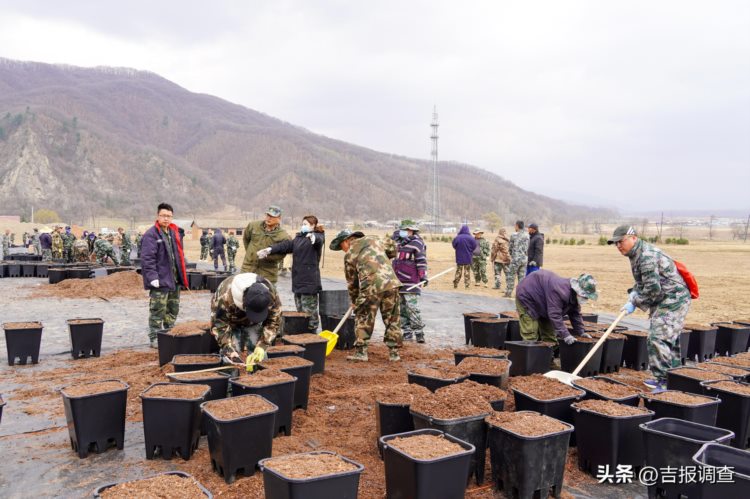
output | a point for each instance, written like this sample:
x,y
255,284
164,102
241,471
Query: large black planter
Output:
x,y
333,302
432,383
611,353
393,418
85,337
468,316
527,467
528,357
514,326
98,493
14,270
407,477
214,280
346,333
634,352
704,413
558,408
676,380
171,425
488,332
631,400
280,393
342,485
470,429
572,355
56,274
28,270
96,421
171,345
684,345
295,322
196,280
217,381
302,385
459,355
314,351
731,338
604,440
22,343
79,273
236,445
286,351
41,270
671,443
702,342
734,412
718,458
185,363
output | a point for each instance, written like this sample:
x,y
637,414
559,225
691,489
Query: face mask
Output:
x,y
402,233
305,228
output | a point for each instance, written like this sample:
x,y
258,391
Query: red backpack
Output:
x,y
690,281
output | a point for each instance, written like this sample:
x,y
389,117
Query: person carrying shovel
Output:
x,y
543,298
410,266
245,312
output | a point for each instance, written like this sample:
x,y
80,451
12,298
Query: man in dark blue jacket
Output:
x,y
217,249
464,244
163,270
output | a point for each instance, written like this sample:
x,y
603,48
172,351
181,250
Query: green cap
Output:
x,y
408,224
621,232
342,236
274,211
585,286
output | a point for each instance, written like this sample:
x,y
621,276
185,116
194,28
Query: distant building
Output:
x,y
198,226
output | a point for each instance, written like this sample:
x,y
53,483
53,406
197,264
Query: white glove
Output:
x,y
263,253
569,340
154,283
311,237
585,335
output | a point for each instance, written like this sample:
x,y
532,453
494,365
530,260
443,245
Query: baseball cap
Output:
x,y
274,211
621,232
256,300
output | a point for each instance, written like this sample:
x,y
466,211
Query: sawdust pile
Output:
x,y
118,285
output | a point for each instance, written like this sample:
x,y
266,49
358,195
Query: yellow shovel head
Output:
x,y
332,339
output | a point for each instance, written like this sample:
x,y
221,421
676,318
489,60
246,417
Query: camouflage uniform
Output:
x,y
103,249
68,240
232,246
57,245
126,248
80,251
519,253
6,245
479,261
163,307
138,241
229,323
309,304
373,285
500,257
35,242
204,245
660,290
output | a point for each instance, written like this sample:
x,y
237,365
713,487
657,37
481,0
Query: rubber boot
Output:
x,y
420,337
393,355
360,354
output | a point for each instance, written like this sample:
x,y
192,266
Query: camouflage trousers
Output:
x,y
514,270
37,249
163,308
216,256
499,269
102,255
231,255
125,256
309,304
411,316
80,255
68,254
663,341
204,252
533,329
466,271
46,255
57,254
364,322
235,338
479,267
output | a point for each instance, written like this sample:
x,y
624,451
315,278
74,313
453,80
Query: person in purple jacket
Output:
x,y
163,271
543,298
464,244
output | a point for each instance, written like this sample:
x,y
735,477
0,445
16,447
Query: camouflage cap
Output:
x,y
342,236
408,224
585,286
477,231
621,232
274,211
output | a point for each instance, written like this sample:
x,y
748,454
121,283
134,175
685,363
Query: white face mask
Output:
x,y
305,228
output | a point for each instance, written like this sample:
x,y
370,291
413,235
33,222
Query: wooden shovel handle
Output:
x,y
343,319
598,343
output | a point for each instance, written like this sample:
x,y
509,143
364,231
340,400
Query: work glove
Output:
x,y
569,340
263,253
234,357
585,335
532,263
629,307
311,237
255,358
154,283
631,296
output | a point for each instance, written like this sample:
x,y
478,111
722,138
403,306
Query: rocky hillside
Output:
x,y
108,141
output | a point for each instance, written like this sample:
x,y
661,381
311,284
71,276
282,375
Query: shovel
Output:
x,y
568,378
333,336
431,278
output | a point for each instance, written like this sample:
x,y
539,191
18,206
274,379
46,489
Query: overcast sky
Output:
x,y
641,105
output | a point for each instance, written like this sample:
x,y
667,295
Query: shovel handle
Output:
x,y
211,369
598,343
343,319
419,284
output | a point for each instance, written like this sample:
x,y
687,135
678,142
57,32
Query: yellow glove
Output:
x,y
254,358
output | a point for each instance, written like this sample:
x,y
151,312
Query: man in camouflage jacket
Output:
x,y
500,256
232,246
103,249
659,289
57,243
126,247
372,285
479,258
204,244
519,251
245,312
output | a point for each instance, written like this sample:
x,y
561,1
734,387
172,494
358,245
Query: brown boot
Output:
x,y
393,355
360,354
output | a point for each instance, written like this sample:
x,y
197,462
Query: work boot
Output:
x,y
455,285
420,337
360,354
408,336
476,284
485,284
152,343
393,355
496,286
507,294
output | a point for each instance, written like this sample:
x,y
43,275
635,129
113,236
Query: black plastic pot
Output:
x,y
393,418
458,356
528,357
333,302
280,394
571,355
170,345
500,380
527,467
590,318
730,341
702,344
299,352
41,270
444,477
171,425
86,338
631,400
79,273
213,281
719,458
468,316
28,270
181,367
487,332
236,445
341,485
514,327
556,408
734,412
471,430
684,345
302,385
294,323
209,343
14,270
634,352
431,383
196,280
98,493
314,352
673,442
3,270
604,440
56,274
96,421
703,413
611,354
22,343
217,381
346,333
682,383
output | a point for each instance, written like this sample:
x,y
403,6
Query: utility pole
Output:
x,y
435,179
747,224
711,228
661,226
32,214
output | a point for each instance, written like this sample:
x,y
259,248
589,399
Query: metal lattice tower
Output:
x,y
435,178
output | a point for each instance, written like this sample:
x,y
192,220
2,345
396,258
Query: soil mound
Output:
x,y
118,285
